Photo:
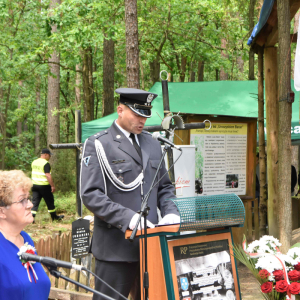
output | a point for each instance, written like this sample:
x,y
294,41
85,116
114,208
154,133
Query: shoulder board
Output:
x,y
98,135
146,132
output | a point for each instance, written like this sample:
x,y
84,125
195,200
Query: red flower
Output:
x,y
278,274
267,287
30,251
264,274
294,275
281,286
297,266
294,288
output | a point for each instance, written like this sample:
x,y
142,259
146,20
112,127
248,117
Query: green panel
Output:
x,y
205,212
220,98
236,269
167,267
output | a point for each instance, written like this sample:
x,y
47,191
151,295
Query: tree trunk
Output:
x,y
77,87
223,74
217,74
19,122
271,89
142,73
192,72
37,146
154,71
251,26
284,128
108,77
262,148
132,44
88,91
200,73
182,68
53,91
4,127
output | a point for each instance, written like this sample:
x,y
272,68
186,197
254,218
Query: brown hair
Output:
x,y
9,181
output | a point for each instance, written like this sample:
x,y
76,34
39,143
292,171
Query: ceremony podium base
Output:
x,y
190,265
194,260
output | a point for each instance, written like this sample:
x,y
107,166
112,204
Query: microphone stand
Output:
x,y
144,212
53,271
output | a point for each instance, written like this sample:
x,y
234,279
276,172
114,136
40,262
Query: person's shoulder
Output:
x,y
98,135
146,134
27,237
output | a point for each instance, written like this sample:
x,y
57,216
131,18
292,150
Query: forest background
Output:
x,y
58,57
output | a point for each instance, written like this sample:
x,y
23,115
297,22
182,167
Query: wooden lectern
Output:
x,y
193,260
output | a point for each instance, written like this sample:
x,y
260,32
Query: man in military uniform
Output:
x,y
118,166
43,185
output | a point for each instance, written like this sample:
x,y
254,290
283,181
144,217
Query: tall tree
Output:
x,y
132,44
53,89
284,136
108,76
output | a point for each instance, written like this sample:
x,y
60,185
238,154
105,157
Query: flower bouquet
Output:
x,y
278,274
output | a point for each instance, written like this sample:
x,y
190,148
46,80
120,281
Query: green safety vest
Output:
x,y
37,174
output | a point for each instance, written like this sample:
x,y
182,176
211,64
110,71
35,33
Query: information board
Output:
x,y
221,156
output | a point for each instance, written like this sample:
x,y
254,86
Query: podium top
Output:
x,y
205,212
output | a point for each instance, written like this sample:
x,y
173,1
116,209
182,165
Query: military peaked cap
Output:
x,y
138,101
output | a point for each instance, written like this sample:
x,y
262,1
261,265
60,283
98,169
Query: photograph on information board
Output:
x,y
204,271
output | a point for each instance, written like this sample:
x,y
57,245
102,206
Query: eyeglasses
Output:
x,y
23,201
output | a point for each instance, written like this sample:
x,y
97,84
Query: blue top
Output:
x,y
14,281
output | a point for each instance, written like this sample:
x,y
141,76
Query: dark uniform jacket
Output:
x,y
114,211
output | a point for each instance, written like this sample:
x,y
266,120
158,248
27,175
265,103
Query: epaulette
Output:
x,y
146,132
97,135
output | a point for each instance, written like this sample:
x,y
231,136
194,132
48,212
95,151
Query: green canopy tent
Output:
x,y
218,98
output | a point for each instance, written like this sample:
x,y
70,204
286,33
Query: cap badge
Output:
x,y
150,98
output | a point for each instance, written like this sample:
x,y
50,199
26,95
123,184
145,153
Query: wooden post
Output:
x,y
272,137
284,126
262,150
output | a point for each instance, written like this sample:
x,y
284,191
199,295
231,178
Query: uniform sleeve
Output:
x,y
92,191
166,191
47,168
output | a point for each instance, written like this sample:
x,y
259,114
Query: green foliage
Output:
x,y
168,31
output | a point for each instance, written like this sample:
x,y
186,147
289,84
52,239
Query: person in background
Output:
x,y
43,185
18,282
114,191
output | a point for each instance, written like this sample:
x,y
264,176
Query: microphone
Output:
x,y
158,137
50,262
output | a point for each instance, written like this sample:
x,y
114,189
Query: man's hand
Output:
x,y
53,189
134,220
169,219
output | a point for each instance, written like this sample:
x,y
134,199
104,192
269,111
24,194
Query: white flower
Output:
x,y
294,253
268,262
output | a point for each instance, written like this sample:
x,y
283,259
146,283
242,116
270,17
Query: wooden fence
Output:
x,y
59,246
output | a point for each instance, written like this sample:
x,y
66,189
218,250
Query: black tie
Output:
x,y
135,144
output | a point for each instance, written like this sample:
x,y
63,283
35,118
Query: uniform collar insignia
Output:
x,y
86,160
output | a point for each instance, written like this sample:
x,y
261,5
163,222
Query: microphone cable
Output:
x,y
87,270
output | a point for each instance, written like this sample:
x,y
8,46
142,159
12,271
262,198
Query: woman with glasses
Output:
x,y
18,280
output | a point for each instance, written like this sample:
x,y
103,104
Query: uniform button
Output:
x,y
105,131
120,226
108,226
120,170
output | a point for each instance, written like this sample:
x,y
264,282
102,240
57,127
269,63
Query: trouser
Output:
x,y
122,276
39,192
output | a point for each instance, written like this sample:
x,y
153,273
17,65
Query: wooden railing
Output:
x,y
59,247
